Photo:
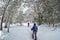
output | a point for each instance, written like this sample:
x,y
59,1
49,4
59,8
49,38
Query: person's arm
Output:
x,y
32,28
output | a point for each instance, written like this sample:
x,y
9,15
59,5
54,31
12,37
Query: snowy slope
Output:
x,y
46,33
19,33
24,33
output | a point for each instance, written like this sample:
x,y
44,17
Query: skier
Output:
x,y
34,29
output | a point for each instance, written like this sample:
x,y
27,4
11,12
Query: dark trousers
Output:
x,y
34,35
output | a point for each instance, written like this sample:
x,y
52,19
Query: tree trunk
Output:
x,y
8,15
8,26
8,22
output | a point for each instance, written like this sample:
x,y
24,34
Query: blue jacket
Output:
x,y
34,28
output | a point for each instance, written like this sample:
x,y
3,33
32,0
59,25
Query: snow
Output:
x,y
1,35
25,33
1,3
25,9
46,33
3,24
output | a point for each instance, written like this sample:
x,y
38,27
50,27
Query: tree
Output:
x,y
4,13
10,12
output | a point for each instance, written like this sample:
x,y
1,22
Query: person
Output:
x,y
34,29
28,24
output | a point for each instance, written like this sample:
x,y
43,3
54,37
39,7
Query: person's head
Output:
x,y
34,24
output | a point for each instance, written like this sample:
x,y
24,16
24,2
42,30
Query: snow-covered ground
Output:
x,y
48,33
25,33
